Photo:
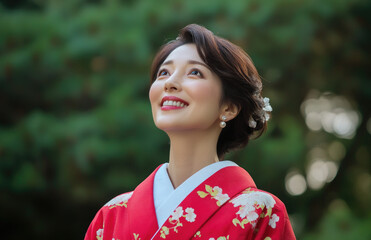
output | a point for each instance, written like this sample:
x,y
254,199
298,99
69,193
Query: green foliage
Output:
x,y
341,223
76,125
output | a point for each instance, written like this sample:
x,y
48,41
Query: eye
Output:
x,y
162,73
196,72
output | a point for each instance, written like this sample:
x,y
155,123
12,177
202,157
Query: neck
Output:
x,y
190,152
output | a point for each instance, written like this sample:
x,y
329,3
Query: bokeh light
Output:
x,y
317,174
295,183
331,113
323,164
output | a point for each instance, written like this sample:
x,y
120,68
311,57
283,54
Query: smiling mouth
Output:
x,y
174,103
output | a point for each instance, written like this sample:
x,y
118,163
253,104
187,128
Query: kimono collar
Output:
x,y
141,211
166,198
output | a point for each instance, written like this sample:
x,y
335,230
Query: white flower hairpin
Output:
x,y
267,108
252,122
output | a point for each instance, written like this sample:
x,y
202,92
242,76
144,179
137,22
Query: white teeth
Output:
x,y
173,103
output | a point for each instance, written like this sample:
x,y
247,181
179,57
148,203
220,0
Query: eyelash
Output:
x,y
161,71
199,73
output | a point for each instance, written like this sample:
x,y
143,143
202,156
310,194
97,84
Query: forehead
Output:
x,y
184,52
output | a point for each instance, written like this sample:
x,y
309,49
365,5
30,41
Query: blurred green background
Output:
x,y
76,126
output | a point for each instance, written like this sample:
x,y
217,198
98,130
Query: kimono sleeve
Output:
x,y
277,226
95,230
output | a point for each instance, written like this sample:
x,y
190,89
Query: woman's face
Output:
x,y
186,94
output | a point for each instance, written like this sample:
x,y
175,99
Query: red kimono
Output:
x,y
226,205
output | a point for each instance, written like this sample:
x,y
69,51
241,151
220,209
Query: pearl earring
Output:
x,y
222,123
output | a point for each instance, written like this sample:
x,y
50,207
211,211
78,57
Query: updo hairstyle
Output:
x,y
241,83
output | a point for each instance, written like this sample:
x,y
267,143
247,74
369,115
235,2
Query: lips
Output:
x,y
172,102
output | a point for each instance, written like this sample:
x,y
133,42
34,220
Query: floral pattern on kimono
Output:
x,y
220,238
100,234
119,201
227,205
175,220
247,204
215,193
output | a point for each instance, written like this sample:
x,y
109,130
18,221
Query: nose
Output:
x,y
172,84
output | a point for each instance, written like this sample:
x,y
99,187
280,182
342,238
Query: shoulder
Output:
x,y
105,219
119,201
259,207
258,197
272,221
116,205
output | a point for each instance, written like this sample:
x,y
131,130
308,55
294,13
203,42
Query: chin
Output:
x,y
171,127
166,123
168,128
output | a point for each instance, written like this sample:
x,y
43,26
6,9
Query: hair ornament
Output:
x,y
267,108
252,122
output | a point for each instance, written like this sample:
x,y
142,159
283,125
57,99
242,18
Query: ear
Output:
x,y
229,110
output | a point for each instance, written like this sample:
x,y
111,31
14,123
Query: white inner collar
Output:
x,y
166,198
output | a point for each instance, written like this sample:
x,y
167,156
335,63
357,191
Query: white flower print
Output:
x,y
216,193
190,216
217,190
177,213
120,200
248,203
100,234
247,213
222,198
175,221
273,220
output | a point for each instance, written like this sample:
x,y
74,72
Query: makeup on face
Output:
x,y
186,93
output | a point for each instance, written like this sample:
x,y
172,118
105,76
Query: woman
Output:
x,y
206,95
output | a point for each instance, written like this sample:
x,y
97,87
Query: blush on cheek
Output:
x,y
154,93
207,92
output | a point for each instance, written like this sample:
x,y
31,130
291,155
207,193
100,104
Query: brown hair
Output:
x,y
240,82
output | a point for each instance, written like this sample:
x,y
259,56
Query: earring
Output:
x,y
222,123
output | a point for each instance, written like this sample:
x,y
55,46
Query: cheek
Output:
x,y
208,93
155,93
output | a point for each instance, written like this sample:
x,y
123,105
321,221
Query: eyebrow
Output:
x,y
170,62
